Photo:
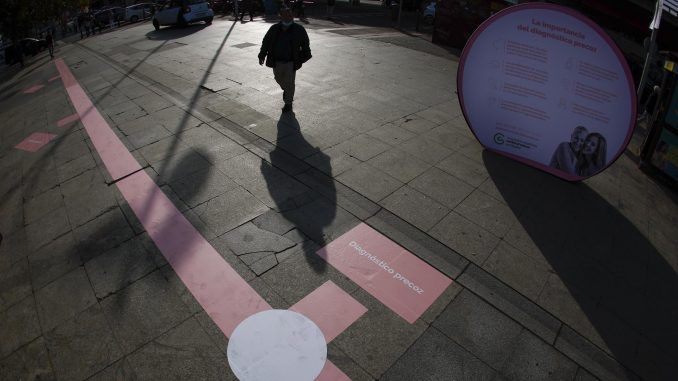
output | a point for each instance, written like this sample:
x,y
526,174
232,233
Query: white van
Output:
x,y
183,12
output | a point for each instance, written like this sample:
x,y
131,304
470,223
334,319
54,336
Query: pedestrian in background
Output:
x,y
330,8
246,6
285,48
50,44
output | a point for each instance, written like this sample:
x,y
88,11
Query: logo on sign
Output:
x,y
499,138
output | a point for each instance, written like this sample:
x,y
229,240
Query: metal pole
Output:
x,y
648,60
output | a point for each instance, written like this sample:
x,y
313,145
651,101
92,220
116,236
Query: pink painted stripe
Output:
x,y
117,158
35,141
68,120
331,308
225,296
330,372
399,279
33,89
54,78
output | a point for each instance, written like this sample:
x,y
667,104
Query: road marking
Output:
x,y
33,89
226,297
68,120
399,279
35,141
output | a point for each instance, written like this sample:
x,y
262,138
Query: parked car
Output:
x,y
183,12
137,12
33,46
114,14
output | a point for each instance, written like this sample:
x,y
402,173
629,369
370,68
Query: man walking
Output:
x,y
285,48
50,44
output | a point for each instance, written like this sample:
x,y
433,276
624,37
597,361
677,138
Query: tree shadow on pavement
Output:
x,y
602,266
310,215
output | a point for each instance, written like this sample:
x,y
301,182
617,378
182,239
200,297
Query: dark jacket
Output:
x,y
301,50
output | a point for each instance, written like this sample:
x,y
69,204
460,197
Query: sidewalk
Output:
x,y
550,280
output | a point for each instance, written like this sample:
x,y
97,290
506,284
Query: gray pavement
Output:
x,y
552,280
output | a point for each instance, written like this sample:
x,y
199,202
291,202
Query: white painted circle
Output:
x,y
277,345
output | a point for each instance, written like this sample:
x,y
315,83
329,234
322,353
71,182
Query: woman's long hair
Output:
x,y
590,164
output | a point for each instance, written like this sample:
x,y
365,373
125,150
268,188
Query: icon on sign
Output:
x,y
499,138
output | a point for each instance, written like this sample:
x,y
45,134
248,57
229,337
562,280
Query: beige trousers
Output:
x,y
284,74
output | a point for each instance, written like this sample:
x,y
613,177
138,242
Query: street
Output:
x,y
158,197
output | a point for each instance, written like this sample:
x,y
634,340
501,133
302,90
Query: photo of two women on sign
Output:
x,y
584,155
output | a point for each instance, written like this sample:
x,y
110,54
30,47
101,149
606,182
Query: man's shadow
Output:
x,y
312,211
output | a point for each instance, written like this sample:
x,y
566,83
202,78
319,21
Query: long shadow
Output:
x,y
618,279
312,217
174,32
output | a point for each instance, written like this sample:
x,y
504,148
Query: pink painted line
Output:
x,y
331,308
399,279
225,296
68,120
330,372
117,158
33,89
54,78
35,141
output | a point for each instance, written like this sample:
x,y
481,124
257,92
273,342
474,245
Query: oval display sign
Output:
x,y
546,86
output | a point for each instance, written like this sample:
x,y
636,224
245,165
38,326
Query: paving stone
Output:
x,y
202,186
248,238
103,233
14,247
533,359
444,188
142,311
369,181
436,115
175,119
346,364
270,295
54,260
436,357
415,207
516,269
220,215
332,161
47,228
479,328
31,362
138,125
119,370
417,242
118,267
75,167
487,212
336,192
15,284
185,352
379,337
425,149
448,137
87,196
180,289
302,274
151,103
391,134
273,222
38,206
321,220
148,135
119,115
583,375
363,147
399,164
82,346
161,149
415,124
19,325
465,237
279,158
261,266
511,303
64,298
180,165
